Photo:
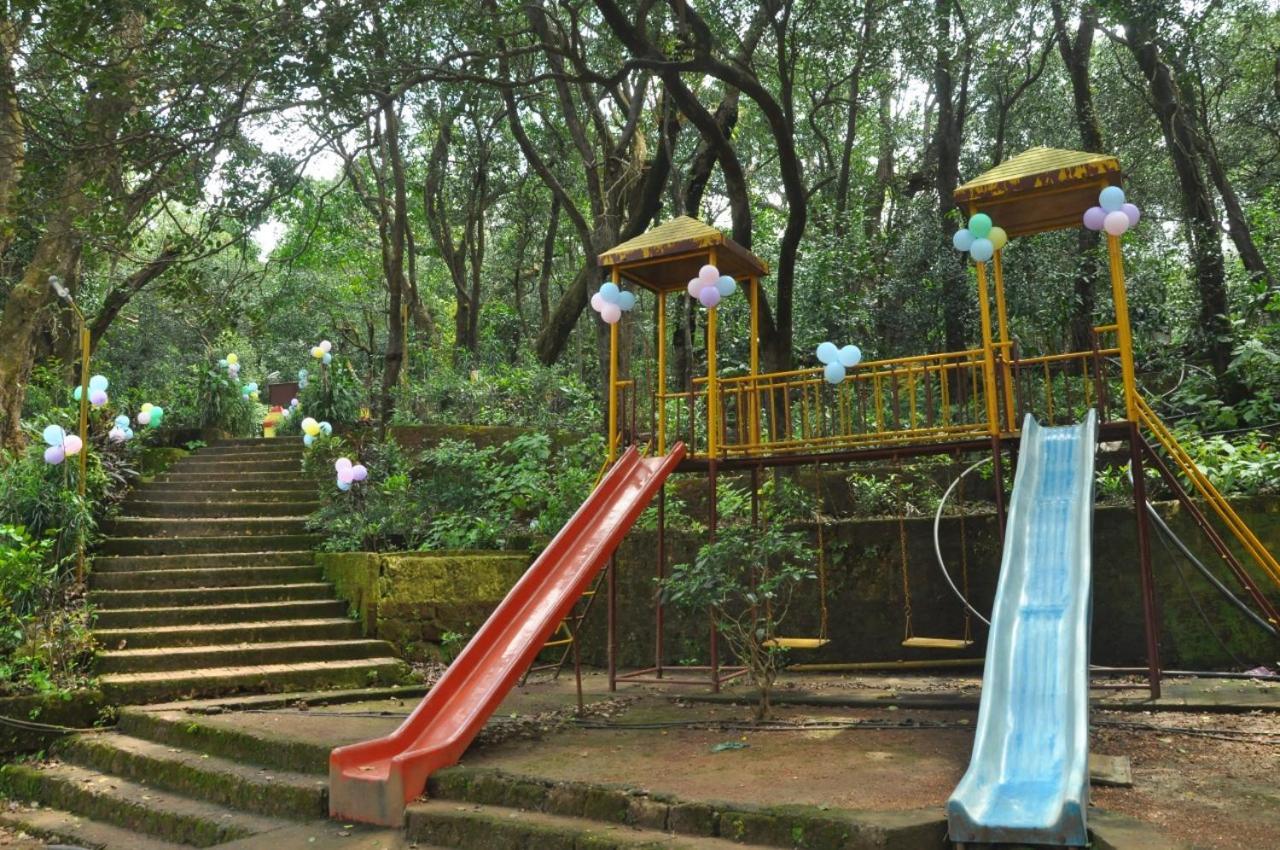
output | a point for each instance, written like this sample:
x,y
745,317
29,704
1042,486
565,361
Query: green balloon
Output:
x,y
980,225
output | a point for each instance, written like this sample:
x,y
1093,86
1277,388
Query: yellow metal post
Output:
x,y
661,397
1124,336
988,352
1002,319
713,424
753,293
613,384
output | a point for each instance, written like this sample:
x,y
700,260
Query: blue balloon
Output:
x,y
609,292
307,439
850,356
253,387
326,429
981,250
122,422
1111,198
302,374
98,382
834,373
962,240
222,363
128,433
327,359
75,394
54,435
344,486
827,352
726,286
626,300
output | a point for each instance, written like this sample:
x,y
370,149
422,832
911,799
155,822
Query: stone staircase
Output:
x,y
206,585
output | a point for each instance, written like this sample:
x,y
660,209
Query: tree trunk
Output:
x,y
1206,247
548,258
945,153
12,135
393,361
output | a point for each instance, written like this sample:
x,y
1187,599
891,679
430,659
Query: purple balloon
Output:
x,y
54,455
344,476
1132,211
97,397
1094,217
359,473
1116,223
709,296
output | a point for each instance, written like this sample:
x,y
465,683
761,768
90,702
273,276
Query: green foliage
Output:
x,y
27,571
747,577
334,397
1245,465
222,405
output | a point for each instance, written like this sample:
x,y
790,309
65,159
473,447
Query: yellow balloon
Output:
x,y
998,238
253,395
312,429
233,359
317,352
146,408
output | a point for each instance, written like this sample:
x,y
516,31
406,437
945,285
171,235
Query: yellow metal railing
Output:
x,y
1187,465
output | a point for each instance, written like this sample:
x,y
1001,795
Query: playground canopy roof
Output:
x,y
1040,189
666,257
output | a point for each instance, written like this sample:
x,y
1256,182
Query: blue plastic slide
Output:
x,y
1028,778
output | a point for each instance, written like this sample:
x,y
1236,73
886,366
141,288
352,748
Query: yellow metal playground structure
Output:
x,y
945,402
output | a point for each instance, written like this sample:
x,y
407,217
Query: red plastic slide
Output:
x,y
372,781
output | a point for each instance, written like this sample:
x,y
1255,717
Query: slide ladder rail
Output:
x,y
1028,777
372,781
1188,467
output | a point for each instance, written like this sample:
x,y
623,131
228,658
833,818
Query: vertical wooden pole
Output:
x,y
1123,333
1150,607
988,351
85,343
1006,349
660,397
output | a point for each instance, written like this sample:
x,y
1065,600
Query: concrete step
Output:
x,y
233,465
130,805
245,788
139,688
155,563
280,452
131,526
209,545
249,612
74,831
243,744
227,577
280,489
205,634
199,477
475,827
110,600
241,506
237,654
239,443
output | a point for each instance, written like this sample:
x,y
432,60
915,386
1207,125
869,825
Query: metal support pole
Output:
x,y
658,618
997,478
712,521
1006,348
1123,333
660,396
1150,607
611,638
613,385
85,344
988,352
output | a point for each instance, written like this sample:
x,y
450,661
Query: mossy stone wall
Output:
x,y
413,599
75,710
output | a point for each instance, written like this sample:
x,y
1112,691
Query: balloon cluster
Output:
x,y
302,379
349,473
710,286
611,302
837,360
150,415
232,364
249,391
322,353
981,238
122,432
97,391
61,445
1112,214
288,411
312,429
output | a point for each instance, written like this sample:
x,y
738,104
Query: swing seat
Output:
x,y
796,643
936,643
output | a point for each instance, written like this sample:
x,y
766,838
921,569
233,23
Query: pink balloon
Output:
x,y
1116,223
341,464
54,455
1132,211
115,435
326,346
144,418
597,303
359,473
695,286
97,397
345,476
611,313
72,445
709,296
708,274
1094,217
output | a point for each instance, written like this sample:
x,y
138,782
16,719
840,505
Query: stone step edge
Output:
x,y
58,826
244,646
260,791
771,826
186,628
128,804
149,688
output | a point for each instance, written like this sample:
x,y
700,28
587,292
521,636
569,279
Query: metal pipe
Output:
x,y
912,664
